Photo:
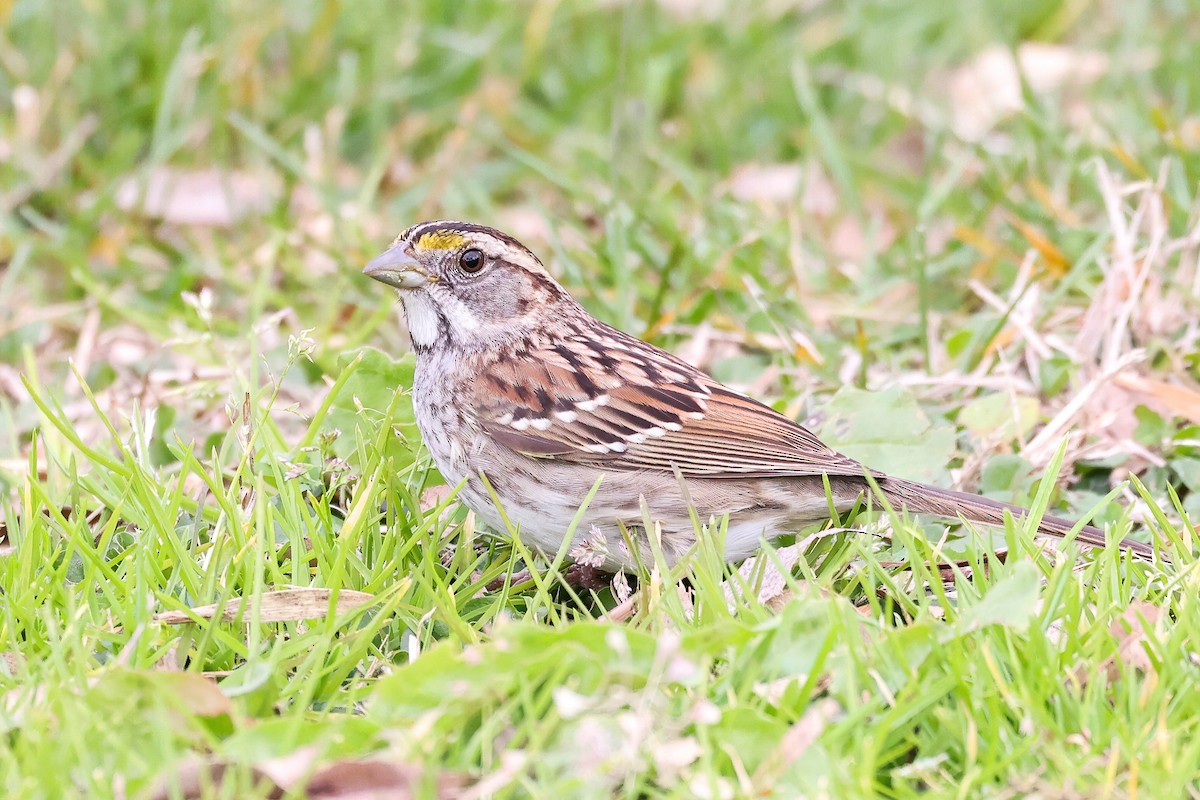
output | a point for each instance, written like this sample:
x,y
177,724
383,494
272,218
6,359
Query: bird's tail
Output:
x,y
922,498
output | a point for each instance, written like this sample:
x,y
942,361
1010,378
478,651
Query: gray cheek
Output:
x,y
494,297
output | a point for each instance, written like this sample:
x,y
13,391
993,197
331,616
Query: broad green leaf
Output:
x,y
1006,475
1000,415
448,678
888,431
1188,470
376,396
1011,602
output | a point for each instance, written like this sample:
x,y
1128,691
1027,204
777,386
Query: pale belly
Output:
x,y
541,510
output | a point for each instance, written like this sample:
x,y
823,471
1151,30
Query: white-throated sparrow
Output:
x,y
517,382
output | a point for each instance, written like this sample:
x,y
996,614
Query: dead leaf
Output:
x,y
773,591
192,779
1181,401
1188,132
1056,262
795,743
376,780
623,610
281,606
988,247
199,695
197,197
168,663
370,779
434,496
988,89
11,661
673,756
766,182
850,241
782,182
531,226
1130,630
512,764
692,10
820,198
773,691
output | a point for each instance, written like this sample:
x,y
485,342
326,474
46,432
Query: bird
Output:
x,y
540,413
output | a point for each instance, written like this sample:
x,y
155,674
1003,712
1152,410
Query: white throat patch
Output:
x,y
422,317
421,309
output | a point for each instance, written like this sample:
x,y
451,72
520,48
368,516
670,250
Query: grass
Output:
x,y
196,408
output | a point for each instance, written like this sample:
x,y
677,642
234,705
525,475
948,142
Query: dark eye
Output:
x,y
471,260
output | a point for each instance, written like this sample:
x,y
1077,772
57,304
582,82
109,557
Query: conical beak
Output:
x,y
399,269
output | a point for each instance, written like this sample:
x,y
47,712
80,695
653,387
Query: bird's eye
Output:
x,y
471,260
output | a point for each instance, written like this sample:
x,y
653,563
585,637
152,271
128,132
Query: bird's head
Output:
x,y
467,284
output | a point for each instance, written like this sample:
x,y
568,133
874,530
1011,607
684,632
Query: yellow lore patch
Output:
x,y
441,240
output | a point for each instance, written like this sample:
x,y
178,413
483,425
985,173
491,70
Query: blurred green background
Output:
x,y
978,211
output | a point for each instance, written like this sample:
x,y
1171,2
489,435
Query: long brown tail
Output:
x,y
922,498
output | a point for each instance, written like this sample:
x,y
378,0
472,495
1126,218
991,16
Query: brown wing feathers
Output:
x,y
649,410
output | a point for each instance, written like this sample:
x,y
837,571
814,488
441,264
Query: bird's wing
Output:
x,y
619,404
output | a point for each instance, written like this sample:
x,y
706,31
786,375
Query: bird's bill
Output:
x,y
396,267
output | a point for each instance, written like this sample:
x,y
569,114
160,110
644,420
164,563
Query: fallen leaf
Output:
x,y
281,606
1056,262
671,757
1048,66
192,779
1130,631
11,661
820,198
199,695
1188,132
1182,401
512,764
850,241
795,743
692,10
197,197
434,496
773,591
369,779
375,780
531,226
988,89
769,182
